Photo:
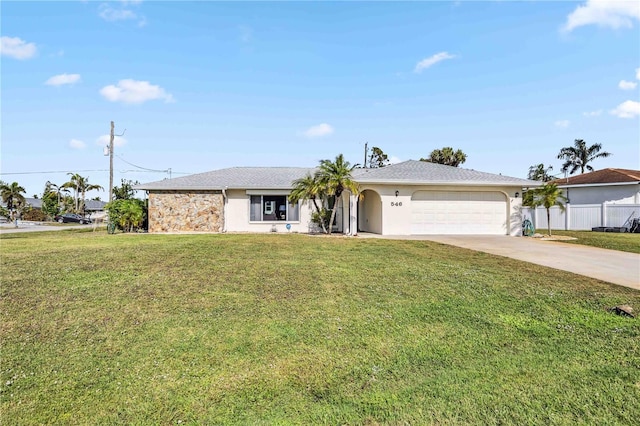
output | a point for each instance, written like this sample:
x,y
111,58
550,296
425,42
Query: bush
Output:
x,y
127,215
321,217
35,215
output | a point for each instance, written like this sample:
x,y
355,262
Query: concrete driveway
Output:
x,y
612,266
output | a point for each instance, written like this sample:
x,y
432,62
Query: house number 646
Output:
x,y
396,203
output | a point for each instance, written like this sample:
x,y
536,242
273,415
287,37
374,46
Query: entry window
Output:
x,y
270,208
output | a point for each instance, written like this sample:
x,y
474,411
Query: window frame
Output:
x,y
287,203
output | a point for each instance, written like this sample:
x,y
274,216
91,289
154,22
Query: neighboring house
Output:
x,y
412,197
90,206
607,186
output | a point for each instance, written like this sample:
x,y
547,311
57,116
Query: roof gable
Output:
x,y
602,176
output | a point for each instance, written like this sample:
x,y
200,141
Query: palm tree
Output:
x,y
579,156
309,188
80,186
335,177
446,156
539,172
12,195
548,195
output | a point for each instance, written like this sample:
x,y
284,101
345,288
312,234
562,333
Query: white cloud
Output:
x,y
59,80
592,113
604,13
110,14
320,130
432,60
563,124
124,13
16,48
134,92
627,85
77,144
637,73
117,140
627,109
394,160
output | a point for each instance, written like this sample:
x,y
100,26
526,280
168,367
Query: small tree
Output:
x,y
335,177
309,188
125,191
50,200
446,156
12,195
540,172
548,195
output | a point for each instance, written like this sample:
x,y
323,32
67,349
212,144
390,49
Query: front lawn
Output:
x,y
609,240
292,329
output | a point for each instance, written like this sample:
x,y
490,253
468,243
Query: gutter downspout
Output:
x,y
224,209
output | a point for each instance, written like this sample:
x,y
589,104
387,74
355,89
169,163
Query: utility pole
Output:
x,y
366,149
111,163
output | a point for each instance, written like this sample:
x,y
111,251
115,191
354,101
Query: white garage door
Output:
x,y
441,212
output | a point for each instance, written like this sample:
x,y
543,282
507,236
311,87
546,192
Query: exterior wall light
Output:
x,y
517,194
397,193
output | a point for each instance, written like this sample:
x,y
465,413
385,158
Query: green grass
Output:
x,y
609,240
292,329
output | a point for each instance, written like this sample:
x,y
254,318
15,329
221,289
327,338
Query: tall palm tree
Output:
x,y
80,186
335,177
309,188
579,156
539,172
74,183
548,195
12,195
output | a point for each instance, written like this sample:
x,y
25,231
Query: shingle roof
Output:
x,y
233,178
408,172
422,172
602,176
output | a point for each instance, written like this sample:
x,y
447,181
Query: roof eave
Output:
x,y
584,185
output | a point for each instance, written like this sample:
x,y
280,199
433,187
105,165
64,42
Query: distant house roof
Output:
x,y
408,172
91,205
602,177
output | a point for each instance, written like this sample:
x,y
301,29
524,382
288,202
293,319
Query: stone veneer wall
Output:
x,y
181,211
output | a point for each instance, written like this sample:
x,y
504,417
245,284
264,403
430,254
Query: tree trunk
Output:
x,y
315,204
549,221
333,210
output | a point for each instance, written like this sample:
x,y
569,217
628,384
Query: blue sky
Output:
x,y
205,85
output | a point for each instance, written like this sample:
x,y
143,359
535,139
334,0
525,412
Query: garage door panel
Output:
x,y
458,212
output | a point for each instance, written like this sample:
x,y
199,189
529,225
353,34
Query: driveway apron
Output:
x,y
612,266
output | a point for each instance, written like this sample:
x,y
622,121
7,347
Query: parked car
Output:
x,y
71,218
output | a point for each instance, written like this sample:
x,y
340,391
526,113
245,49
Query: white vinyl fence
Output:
x,y
580,217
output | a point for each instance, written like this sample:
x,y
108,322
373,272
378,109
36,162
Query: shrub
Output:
x,y
35,215
127,215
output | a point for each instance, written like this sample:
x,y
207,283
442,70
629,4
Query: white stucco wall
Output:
x,y
396,210
611,194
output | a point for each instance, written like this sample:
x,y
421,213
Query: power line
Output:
x,y
50,172
96,170
143,168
